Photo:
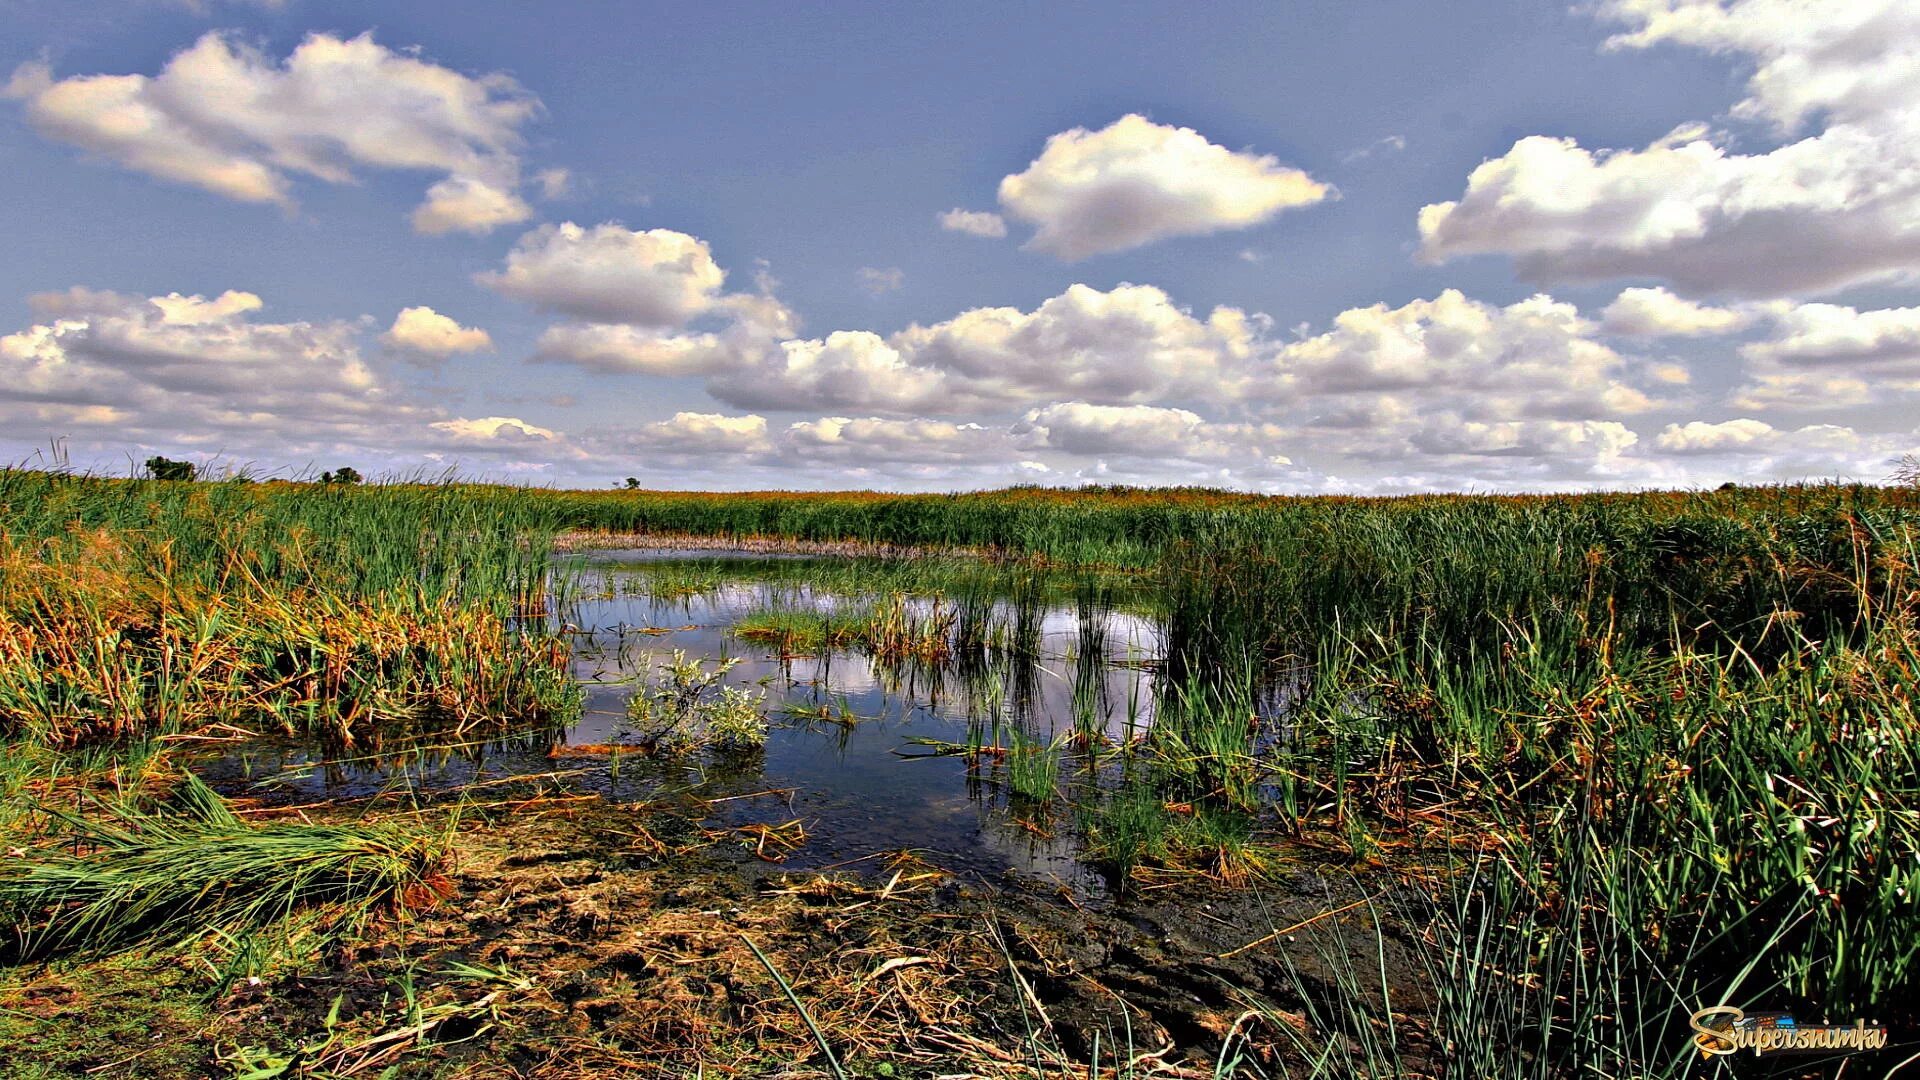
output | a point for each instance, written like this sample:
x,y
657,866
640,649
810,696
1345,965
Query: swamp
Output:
x,y
454,780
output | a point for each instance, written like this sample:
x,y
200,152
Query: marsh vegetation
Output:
x,y
1129,782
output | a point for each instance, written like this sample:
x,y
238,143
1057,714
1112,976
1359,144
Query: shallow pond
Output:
x,y
854,753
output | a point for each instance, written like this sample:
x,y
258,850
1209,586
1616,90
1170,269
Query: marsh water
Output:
x,y
861,750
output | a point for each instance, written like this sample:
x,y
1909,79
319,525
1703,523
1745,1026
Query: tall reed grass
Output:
x,y
132,609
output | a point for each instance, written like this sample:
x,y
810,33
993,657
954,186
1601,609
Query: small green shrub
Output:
x,y
687,708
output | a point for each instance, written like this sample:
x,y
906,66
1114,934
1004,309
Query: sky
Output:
x,y
1498,245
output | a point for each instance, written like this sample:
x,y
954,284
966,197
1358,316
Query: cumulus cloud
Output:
x,y
1128,344
188,373
847,369
1831,355
1699,437
1776,389
494,429
464,204
917,440
831,443
617,349
1886,340
1075,427
982,223
1537,358
700,433
222,116
1836,207
422,331
1590,442
1135,181
611,274
1749,449
1659,313
184,362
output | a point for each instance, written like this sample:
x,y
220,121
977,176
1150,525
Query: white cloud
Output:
x,y
1128,344
616,349
694,433
1659,313
1885,340
1799,390
982,223
610,274
1589,442
876,280
1075,427
424,331
1823,211
918,440
464,204
185,369
495,429
848,369
222,116
1829,355
1698,437
1755,451
1533,359
188,374
1135,181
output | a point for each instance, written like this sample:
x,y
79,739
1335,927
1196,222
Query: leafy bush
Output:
x,y
162,468
688,707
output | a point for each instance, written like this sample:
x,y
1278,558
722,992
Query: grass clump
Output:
x,y
1033,767
122,877
1126,830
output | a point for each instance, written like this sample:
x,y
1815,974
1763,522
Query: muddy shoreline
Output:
x,y
637,948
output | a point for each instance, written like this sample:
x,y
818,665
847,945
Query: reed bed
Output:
x,y
137,609
1648,752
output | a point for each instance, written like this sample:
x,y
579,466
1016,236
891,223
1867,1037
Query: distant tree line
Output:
x,y
165,468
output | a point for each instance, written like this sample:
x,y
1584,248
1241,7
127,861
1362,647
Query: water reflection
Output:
x,y
849,754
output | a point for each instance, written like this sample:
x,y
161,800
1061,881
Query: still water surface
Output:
x,y
860,792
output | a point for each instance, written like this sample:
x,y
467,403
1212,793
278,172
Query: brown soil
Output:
x,y
628,934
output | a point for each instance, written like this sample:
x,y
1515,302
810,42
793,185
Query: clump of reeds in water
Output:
x,y
892,629
1033,766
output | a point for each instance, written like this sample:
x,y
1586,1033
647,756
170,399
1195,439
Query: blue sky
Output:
x,y
1309,247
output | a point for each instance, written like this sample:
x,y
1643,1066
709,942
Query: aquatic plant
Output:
x,y
688,706
1033,766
